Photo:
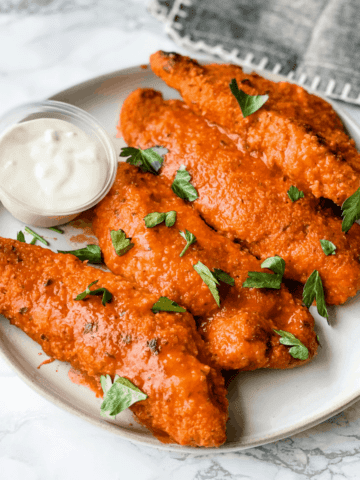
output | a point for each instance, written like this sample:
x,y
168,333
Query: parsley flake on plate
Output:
x,y
92,253
36,236
298,349
118,395
182,187
189,239
328,247
248,103
313,289
148,160
55,229
120,243
164,304
267,280
351,211
106,295
20,237
155,218
294,194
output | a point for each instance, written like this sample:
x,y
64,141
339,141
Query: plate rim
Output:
x,y
138,438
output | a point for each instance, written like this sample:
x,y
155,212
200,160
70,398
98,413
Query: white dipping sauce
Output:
x,y
51,165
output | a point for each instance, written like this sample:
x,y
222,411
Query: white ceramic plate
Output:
x,y
264,405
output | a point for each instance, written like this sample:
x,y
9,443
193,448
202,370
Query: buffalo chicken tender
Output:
x,y
186,398
240,334
299,133
241,197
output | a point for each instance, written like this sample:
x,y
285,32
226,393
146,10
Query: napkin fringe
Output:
x,y
179,10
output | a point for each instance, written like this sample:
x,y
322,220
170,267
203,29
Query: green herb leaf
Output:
x,y
182,187
86,292
155,218
91,253
20,237
223,276
33,241
294,194
267,280
120,243
276,264
328,247
36,235
263,280
313,289
106,382
57,230
189,238
106,295
118,396
210,279
298,350
170,218
148,160
164,304
351,210
248,103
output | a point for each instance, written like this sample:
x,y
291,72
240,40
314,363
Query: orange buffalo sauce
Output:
x,y
186,398
298,133
240,197
240,334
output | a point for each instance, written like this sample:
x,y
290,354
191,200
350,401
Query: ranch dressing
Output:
x,y
51,164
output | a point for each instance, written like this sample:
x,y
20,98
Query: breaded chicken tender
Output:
x,y
240,334
297,132
240,196
186,397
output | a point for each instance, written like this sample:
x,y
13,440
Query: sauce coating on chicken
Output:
x,y
240,196
186,397
240,334
299,133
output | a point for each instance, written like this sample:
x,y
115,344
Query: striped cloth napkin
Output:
x,y
315,43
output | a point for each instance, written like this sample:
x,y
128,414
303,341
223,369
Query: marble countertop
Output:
x,y
48,45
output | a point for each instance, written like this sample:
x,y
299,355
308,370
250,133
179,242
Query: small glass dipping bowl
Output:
x,y
73,115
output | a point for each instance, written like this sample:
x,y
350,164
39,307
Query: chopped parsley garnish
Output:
x,y
90,252
20,237
298,349
120,243
118,396
328,247
36,236
106,295
57,230
164,304
223,276
267,280
294,194
209,279
155,218
148,160
189,239
313,289
248,103
182,187
351,210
